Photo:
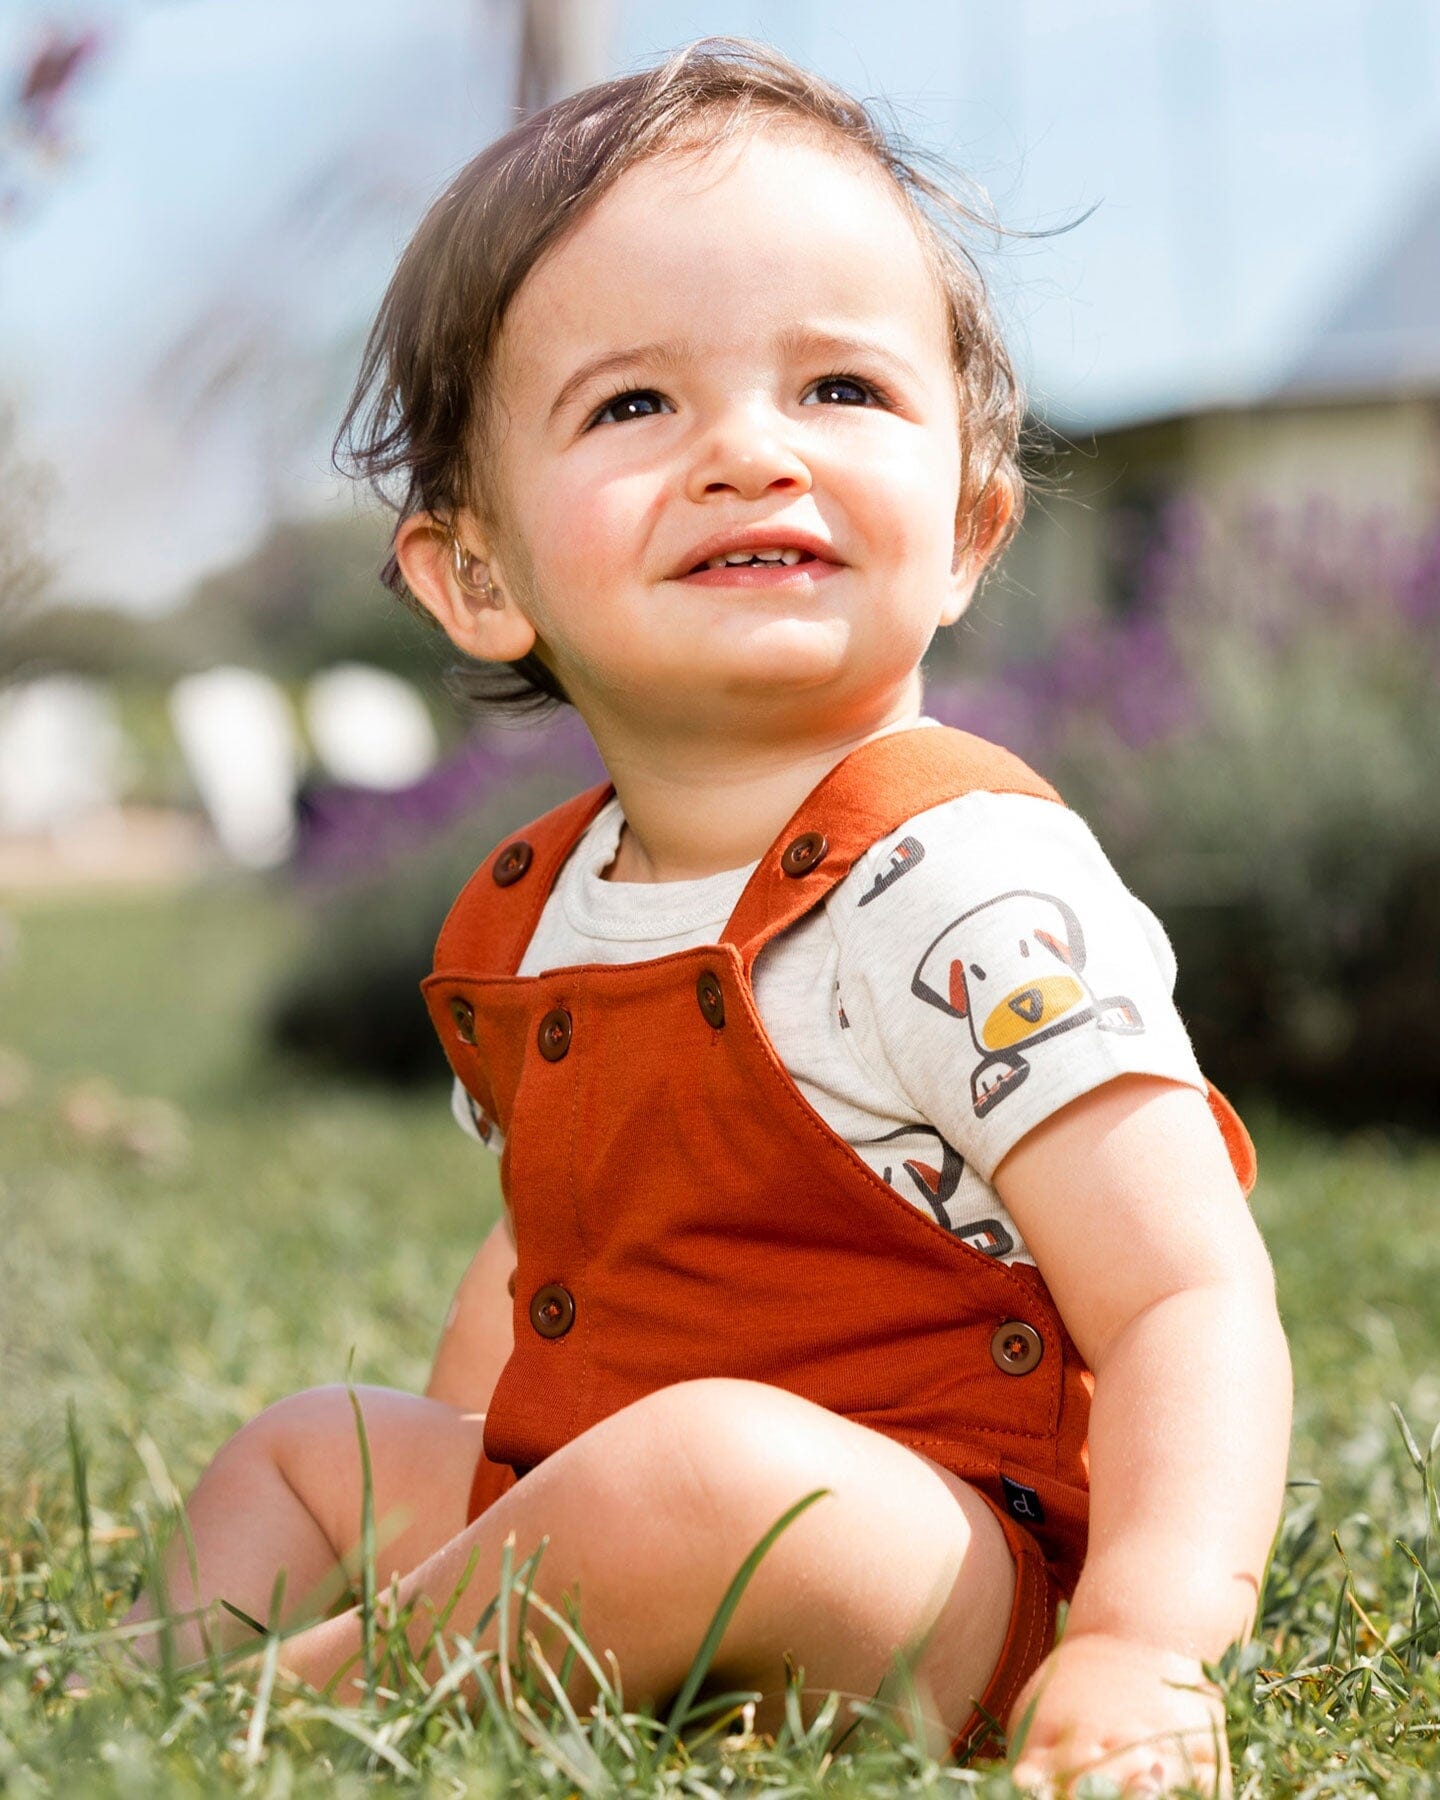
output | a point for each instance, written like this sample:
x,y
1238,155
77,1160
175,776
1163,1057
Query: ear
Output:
x,y
996,508
489,628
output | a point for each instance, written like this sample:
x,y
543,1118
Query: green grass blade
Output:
x,y
502,1620
1332,1648
79,1476
192,1561
443,1619
244,1617
1412,1449
367,1546
577,1646
354,1726
260,1712
700,1668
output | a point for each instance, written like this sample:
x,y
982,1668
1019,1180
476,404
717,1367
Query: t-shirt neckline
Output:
x,y
634,911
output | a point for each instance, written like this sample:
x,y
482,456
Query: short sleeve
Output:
x,y
994,967
472,1120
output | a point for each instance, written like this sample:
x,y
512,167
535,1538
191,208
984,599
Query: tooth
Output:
x,y
733,559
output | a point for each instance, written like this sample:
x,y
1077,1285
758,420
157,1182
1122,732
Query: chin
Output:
x,y
798,653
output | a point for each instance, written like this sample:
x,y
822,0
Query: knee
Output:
x,y
300,1421
742,1448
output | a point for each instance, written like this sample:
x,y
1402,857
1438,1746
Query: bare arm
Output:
x,y
477,1340
1128,1201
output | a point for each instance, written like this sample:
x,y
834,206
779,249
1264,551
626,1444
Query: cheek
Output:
x,y
910,500
587,532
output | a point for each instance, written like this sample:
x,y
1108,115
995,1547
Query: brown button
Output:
x,y
552,1311
463,1014
511,863
1016,1347
712,999
803,853
554,1034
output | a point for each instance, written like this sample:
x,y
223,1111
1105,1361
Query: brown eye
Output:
x,y
636,403
839,389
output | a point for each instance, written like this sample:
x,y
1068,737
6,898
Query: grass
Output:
x,y
190,1232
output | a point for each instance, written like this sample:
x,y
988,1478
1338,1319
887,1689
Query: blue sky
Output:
x,y
245,171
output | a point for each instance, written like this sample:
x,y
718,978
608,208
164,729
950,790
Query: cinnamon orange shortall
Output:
x,y
680,1210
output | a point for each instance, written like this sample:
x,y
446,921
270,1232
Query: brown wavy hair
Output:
x,y
423,408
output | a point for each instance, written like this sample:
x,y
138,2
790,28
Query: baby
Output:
x,y
849,1136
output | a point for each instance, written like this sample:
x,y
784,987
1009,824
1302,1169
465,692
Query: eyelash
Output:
x,y
832,379
860,381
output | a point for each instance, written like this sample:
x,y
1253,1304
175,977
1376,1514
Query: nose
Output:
x,y
747,451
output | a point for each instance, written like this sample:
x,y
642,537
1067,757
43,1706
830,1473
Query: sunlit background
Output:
x,y
239,785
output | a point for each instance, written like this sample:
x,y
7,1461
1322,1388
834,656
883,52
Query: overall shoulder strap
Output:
x,y
488,927
865,797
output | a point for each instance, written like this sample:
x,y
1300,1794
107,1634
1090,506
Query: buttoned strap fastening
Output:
x,y
512,862
462,1013
712,999
491,922
879,786
556,1030
804,853
1016,1347
552,1311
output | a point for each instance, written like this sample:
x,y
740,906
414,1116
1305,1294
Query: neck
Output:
x,y
697,805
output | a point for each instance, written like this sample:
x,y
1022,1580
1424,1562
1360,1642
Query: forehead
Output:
x,y
726,247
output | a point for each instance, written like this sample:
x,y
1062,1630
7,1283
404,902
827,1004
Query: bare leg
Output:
x,y
648,1515
285,1493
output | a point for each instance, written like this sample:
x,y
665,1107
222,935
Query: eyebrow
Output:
x,y
672,353
669,354
804,340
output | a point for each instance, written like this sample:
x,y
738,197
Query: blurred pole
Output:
x,y
564,45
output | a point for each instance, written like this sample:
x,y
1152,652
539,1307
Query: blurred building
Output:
x,y
1349,427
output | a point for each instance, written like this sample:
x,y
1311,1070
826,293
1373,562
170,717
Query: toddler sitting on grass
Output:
x,y
848,1135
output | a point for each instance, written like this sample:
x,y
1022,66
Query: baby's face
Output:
x,y
738,343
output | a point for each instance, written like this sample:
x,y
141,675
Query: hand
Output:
x,y
1140,1716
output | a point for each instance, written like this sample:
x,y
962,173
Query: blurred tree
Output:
x,y
306,597
23,574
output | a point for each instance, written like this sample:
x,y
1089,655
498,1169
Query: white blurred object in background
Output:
x,y
368,727
64,760
240,745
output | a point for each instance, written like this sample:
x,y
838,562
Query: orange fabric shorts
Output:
x,y
1028,1641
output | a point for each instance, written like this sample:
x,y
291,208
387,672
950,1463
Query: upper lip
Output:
x,y
754,537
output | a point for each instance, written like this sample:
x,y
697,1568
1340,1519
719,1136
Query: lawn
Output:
x,y
190,1231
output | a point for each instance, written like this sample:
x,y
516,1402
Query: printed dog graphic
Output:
x,y
1013,969
916,1146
